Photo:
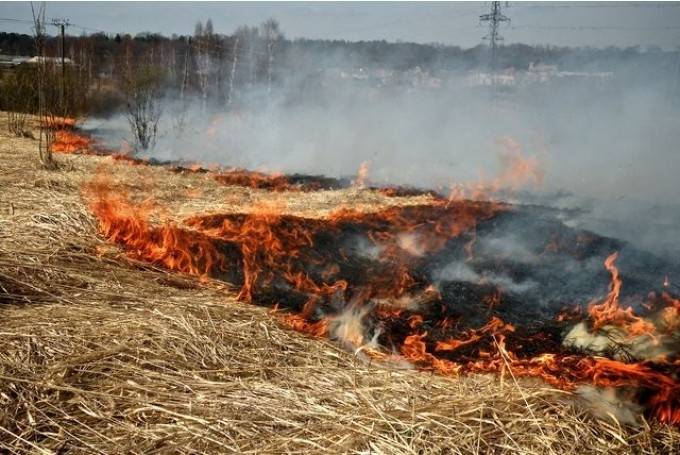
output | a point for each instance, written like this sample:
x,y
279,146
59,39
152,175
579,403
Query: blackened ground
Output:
x,y
521,265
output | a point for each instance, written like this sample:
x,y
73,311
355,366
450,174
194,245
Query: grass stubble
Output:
x,y
102,354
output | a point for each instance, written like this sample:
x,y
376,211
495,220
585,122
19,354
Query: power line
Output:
x,y
593,27
70,24
647,5
98,30
10,19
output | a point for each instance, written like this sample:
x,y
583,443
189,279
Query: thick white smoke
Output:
x,y
608,146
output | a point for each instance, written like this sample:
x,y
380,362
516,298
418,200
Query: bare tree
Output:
x,y
17,100
45,114
143,92
234,62
204,62
253,38
181,110
271,33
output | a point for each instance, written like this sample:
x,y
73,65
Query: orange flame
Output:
x,y
270,247
610,312
252,179
362,175
67,141
516,171
128,225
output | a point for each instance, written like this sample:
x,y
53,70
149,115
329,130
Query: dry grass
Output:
x,y
99,354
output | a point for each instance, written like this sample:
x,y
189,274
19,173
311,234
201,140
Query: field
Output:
x,y
103,354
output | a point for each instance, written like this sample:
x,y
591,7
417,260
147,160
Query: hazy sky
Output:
x,y
559,23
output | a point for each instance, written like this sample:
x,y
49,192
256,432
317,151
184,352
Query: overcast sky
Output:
x,y
563,23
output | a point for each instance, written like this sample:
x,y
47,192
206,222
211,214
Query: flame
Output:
x,y
129,159
252,179
610,312
517,169
362,175
670,313
297,262
494,326
516,172
300,323
67,141
128,225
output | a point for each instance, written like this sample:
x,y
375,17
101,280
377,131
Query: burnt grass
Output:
x,y
526,258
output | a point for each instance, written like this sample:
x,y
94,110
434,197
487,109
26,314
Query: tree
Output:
x,y
204,63
143,90
46,105
17,99
240,37
271,33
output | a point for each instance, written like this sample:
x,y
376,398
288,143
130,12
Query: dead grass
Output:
x,y
99,354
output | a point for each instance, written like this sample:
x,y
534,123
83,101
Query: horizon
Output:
x,y
561,24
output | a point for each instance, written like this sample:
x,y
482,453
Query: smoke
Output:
x,y
606,142
613,341
460,271
349,328
608,403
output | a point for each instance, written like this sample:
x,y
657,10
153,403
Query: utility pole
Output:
x,y
62,24
494,18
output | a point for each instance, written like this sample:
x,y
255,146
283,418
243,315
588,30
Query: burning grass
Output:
x,y
304,265
103,353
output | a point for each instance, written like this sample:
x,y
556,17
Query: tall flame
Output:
x,y
610,312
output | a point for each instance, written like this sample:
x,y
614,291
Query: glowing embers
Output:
x,y
276,181
253,179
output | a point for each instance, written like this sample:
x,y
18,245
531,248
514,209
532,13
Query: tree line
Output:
x,y
124,72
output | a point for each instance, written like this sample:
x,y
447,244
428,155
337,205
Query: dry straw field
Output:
x,y
102,354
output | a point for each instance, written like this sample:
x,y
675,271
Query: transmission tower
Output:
x,y
494,18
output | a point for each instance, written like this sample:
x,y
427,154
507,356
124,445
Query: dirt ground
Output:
x,y
102,354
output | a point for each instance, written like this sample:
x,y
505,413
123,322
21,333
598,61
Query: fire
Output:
x,y
610,312
300,323
670,313
274,181
385,304
493,327
516,171
415,349
362,175
126,224
67,141
129,159
252,179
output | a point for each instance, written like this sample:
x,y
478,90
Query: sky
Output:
x,y
456,23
